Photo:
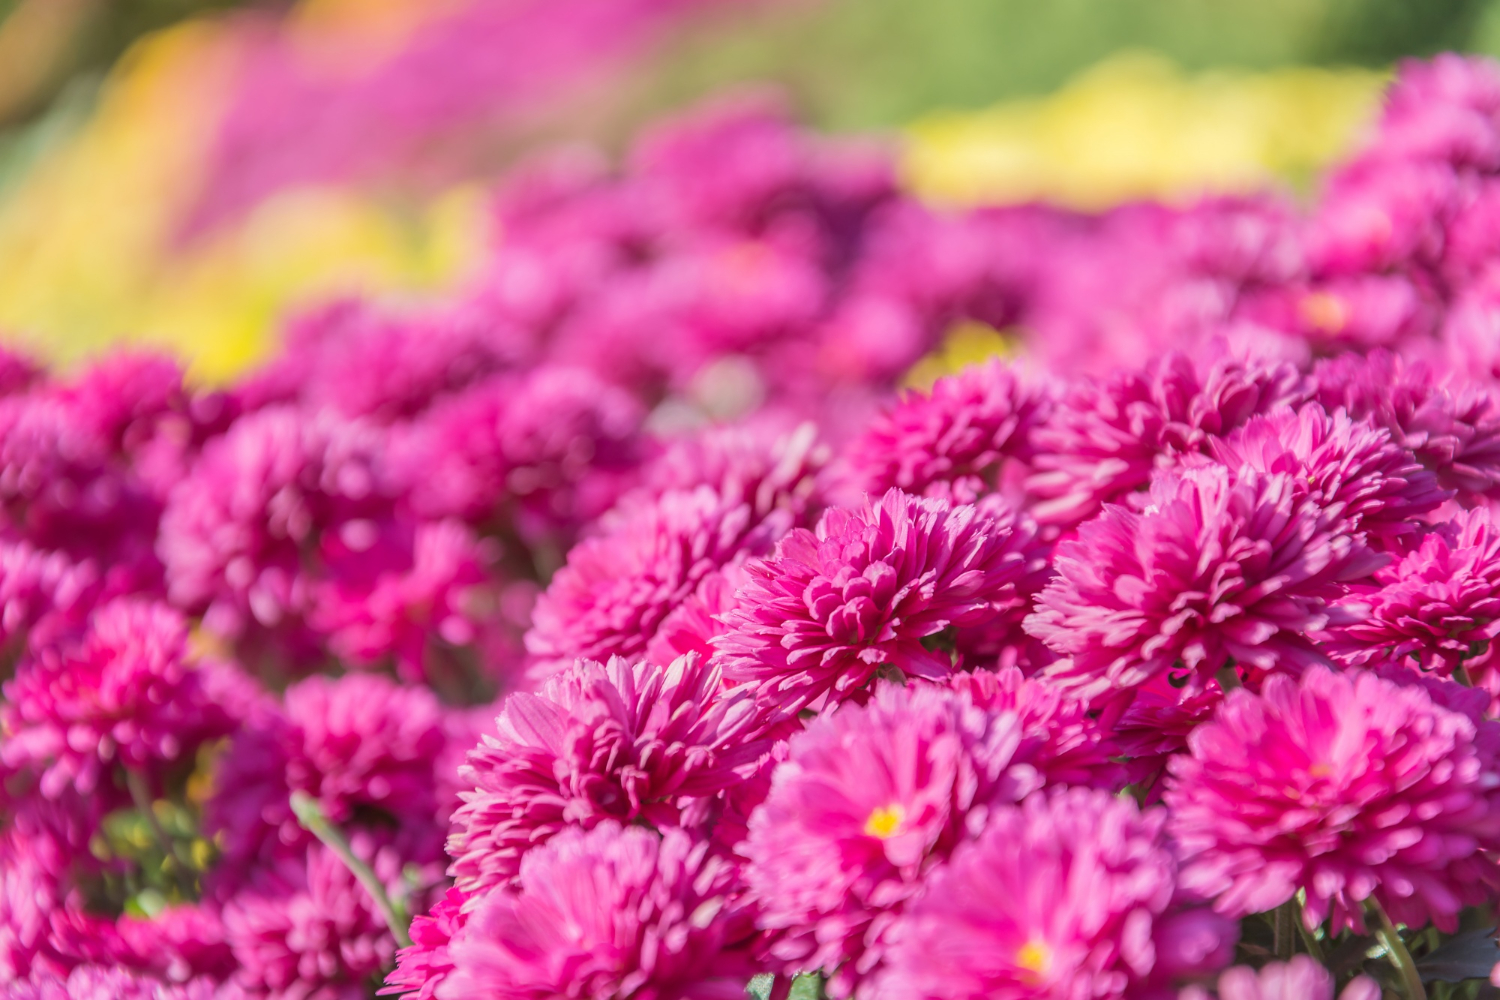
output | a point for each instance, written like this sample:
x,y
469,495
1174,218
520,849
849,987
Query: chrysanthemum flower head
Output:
x,y
125,693
1224,565
357,744
956,440
43,591
1352,469
1070,894
394,593
1439,606
1104,439
365,363
1302,978
821,616
64,487
1452,430
237,531
629,741
423,965
305,926
1346,786
115,982
550,448
617,587
611,912
762,463
869,800
1060,738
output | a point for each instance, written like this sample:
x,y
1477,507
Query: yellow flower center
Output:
x,y
1321,770
1034,956
885,821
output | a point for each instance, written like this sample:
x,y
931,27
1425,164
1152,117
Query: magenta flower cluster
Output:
x,y
616,630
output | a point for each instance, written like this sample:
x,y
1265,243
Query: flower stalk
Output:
x,y
316,822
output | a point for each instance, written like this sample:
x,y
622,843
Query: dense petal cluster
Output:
x,y
1223,566
125,693
865,589
632,742
961,441
1345,787
869,800
616,911
1069,894
1439,607
611,628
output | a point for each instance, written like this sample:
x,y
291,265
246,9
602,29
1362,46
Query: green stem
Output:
x,y
1395,950
1281,930
1228,678
1461,674
313,820
1310,940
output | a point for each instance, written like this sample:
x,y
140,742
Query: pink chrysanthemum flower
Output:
x,y
44,591
17,371
624,741
1071,894
955,441
115,982
551,449
1105,439
1455,432
360,362
1303,978
611,912
63,487
617,587
869,800
693,625
179,942
831,607
305,927
358,744
1347,786
1352,469
1222,566
1438,606
395,593
1059,737
424,965
238,530
760,463
126,693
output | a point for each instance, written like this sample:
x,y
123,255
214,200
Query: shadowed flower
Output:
x,y
305,927
237,531
617,587
363,746
1453,431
